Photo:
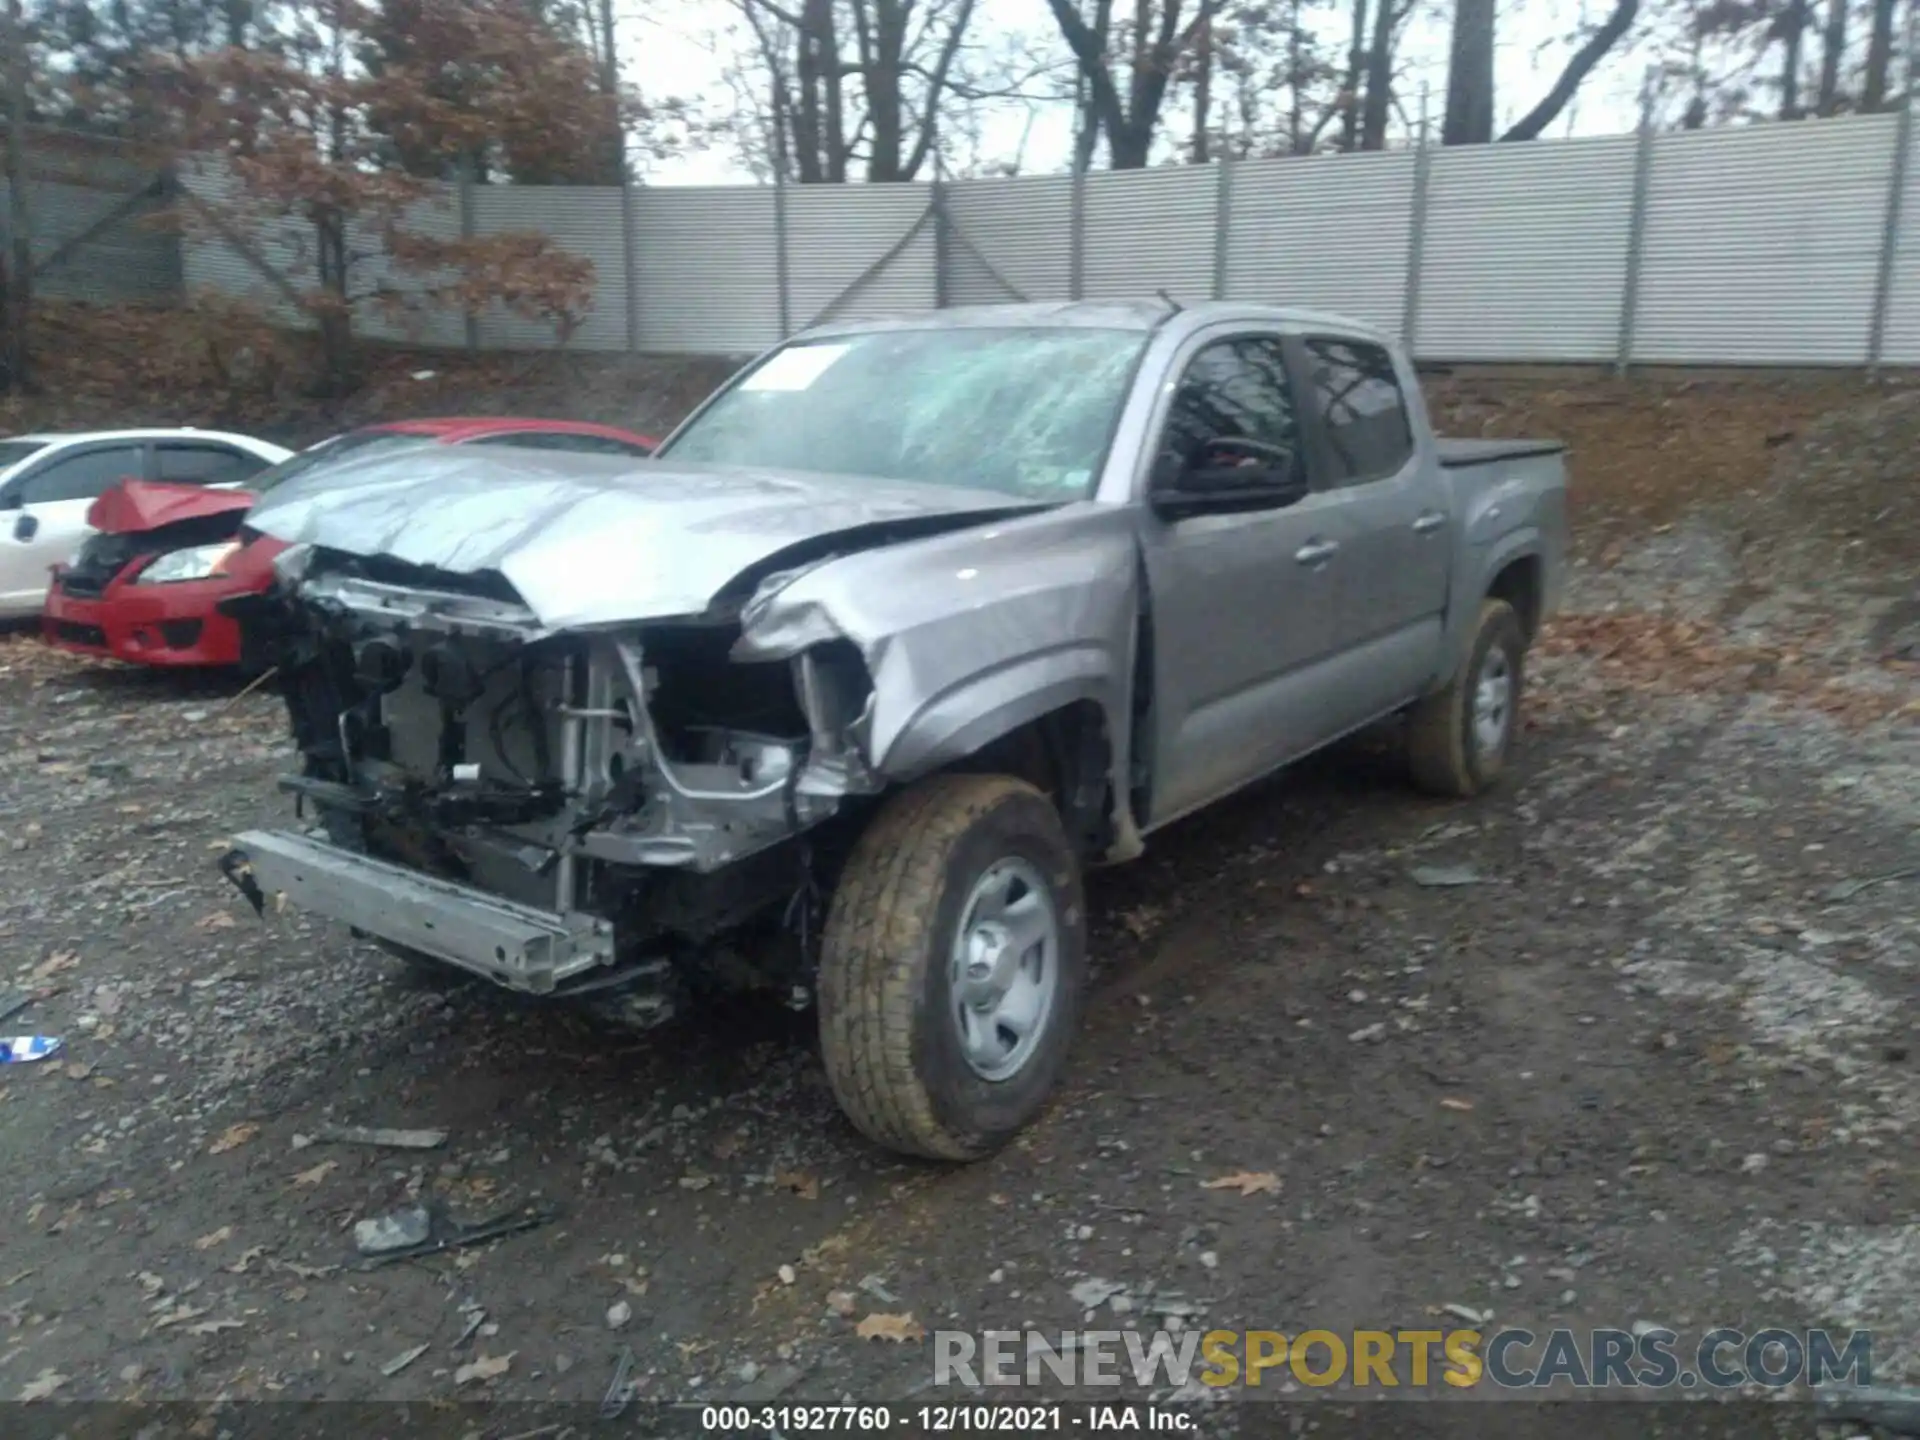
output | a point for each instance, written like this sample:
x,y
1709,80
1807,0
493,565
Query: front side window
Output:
x,y
1232,390
1026,411
1362,411
82,476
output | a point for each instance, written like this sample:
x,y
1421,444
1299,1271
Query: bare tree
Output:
x,y
17,270
1378,105
1157,39
1873,91
1469,114
1791,26
1591,52
1276,92
1356,76
860,80
1833,48
1202,90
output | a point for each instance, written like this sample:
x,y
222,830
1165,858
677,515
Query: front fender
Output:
x,y
970,634
979,710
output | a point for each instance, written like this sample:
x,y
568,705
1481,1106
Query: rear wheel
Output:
x,y
1460,739
952,968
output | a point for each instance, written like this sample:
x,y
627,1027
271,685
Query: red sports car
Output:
x,y
146,587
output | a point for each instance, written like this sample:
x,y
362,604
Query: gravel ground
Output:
x,y
1654,1062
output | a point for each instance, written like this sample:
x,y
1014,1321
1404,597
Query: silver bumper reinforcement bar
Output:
x,y
512,945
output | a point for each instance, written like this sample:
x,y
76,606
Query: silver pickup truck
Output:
x,y
906,625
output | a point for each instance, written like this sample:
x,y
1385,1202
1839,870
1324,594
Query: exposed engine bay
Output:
x,y
628,794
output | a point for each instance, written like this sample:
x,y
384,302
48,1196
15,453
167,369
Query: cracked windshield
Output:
x,y
1025,412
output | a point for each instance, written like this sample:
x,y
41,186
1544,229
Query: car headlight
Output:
x,y
202,562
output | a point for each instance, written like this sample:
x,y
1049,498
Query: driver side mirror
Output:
x,y
1227,475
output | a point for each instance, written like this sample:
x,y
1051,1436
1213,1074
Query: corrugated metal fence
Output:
x,y
97,212
1793,244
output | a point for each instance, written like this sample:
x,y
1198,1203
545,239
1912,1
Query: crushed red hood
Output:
x,y
135,506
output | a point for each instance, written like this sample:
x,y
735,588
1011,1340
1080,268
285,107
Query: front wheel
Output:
x,y
952,967
1459,739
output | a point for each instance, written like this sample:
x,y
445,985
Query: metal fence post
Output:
x,y
469,225
781,279
942,244
630,254
1417,232
1077,236
1890,235
1222,223
1636,228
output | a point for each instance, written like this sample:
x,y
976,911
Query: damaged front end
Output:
x,y
559,811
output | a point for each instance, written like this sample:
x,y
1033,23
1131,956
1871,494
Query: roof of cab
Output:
x,y
1142,315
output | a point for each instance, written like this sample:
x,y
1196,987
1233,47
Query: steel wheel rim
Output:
x,y
1492,703
1004,968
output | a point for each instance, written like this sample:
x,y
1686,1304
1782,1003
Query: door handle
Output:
x,y
25,528
1429,522
1316,552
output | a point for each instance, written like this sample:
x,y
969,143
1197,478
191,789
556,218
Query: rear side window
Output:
x,y
1363,414
207,464
82,476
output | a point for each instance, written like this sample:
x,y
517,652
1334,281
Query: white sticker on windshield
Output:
x,y
794,368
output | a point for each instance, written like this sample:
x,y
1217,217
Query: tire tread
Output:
x,y
879,934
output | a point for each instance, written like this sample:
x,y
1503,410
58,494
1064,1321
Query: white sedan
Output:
x,y
48,483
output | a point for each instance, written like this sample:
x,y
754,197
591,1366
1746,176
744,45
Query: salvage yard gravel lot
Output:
x,y
1632,1040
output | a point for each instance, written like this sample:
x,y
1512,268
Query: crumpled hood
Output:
x,y
134,507
591,540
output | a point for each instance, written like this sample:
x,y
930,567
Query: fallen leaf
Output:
x,y
214,1327
151,1283
79,1071
317,1173
233,1137
245,1262
217,1237
842,1303
179,1315
485,1367
1247,1182
42,1385
897,1328
55,963
1444,877
402,1360
695,1182
1453,1102
634,1286
726,1147
304,1272
806,1186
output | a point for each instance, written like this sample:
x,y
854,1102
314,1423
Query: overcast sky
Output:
x,y
669,48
